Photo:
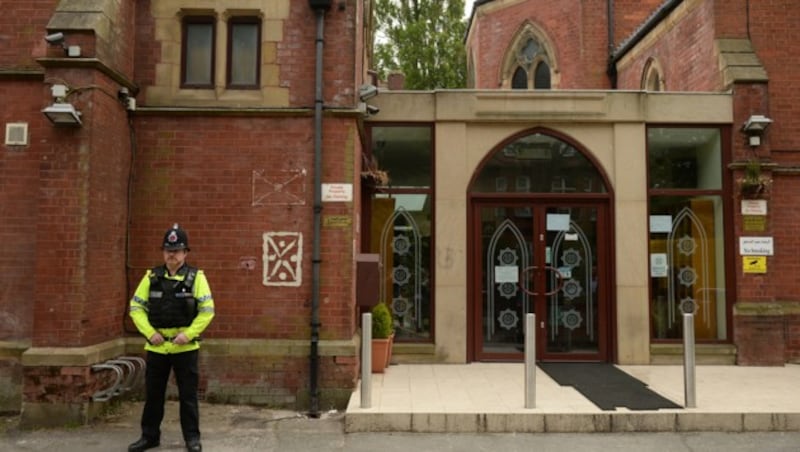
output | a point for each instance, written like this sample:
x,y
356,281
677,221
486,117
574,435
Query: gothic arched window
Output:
x,y
520,79
541,78
528,62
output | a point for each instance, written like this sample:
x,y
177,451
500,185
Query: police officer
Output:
x,y
171,308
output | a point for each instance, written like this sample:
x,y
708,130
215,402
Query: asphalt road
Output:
x,y
228,428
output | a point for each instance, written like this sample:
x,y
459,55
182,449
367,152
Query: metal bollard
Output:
x,y
366,360
688,361
530,360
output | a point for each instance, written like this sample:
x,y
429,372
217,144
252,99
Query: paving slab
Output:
x,y
490,397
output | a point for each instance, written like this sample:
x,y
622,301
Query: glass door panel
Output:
x,y
506,250
571,301
540,259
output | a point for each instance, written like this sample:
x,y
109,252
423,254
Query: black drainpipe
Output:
x,y
319,7
611,69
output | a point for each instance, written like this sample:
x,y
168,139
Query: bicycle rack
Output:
x,y
127,383
106,394
129,372
139,365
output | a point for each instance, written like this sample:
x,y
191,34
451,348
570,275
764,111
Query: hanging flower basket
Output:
x,y
372,175
375,178
754,184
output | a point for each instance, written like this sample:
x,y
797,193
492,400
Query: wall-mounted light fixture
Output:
x,y
754,127
62,113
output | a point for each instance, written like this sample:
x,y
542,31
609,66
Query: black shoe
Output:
x,y
194,446
143,444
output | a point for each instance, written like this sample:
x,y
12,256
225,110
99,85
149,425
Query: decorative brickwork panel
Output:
x,y
283,263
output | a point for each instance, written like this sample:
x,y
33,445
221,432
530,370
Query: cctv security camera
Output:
x,y
367,92
55,38
373,110
756,124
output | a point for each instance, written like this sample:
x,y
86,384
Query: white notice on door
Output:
x,y
506,274
557,222
660,224
658,265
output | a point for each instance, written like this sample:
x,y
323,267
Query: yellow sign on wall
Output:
x,y
754,264
336,221
754,223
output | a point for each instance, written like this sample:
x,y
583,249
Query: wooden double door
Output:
x,y
548,257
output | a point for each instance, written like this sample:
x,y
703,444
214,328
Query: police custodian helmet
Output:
x,y
175,239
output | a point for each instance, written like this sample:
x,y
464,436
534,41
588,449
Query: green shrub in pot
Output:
x,y
382,326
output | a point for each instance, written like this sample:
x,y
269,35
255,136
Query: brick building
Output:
x,y
597,188
172,132
738,48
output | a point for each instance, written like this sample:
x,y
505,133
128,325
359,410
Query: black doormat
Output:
x,y
606,386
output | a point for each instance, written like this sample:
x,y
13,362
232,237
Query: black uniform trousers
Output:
x,y
187,378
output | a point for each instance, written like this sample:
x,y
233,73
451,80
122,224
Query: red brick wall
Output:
x,y
629,15
63,196
21,41
81,219
198,171
760,340
274,381
578,33
776,40
297,55
19,173
685,52
749,99
64,384
23,32
793,338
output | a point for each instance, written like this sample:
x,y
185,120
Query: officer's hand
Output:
x,y
181,339
156,338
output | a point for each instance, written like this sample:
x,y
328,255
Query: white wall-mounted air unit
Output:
x,y
17,134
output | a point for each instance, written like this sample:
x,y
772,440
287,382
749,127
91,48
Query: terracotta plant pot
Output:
x,y
389,355
380,354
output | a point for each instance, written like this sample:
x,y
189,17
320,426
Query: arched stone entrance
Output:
x,y
540,241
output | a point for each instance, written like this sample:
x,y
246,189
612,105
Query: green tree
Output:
x,y
423,39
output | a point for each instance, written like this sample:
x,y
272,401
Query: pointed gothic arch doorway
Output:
x,y
540,229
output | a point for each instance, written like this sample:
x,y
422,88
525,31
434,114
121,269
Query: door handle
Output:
x,y
524,275
558,276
